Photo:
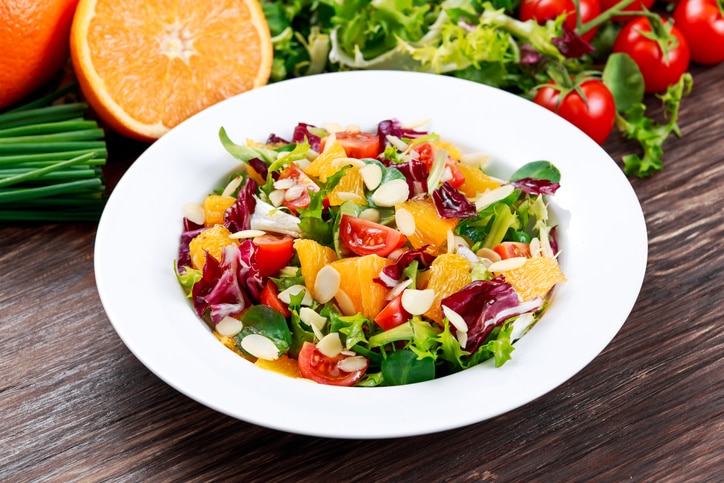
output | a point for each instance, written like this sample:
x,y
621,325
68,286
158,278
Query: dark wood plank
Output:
x,y
77,405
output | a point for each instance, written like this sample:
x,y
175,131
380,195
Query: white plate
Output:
x,y
602,234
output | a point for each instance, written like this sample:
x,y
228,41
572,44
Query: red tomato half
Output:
x,y
658,71
364,237
270,296
274,252
632,7
595,115
300,178
325,370
393,314
702,23
512,250
543,10
357,144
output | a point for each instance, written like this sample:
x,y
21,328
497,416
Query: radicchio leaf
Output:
x,y
450,203
259,166
274,139
485,304
571,45
238,216
391,275
393,127
416,173
535,186
301,132
191,230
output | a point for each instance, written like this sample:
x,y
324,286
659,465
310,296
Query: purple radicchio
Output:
x,y
572,45
238,216
391,275
534,186
277,140
302,132
485,304
450,203
191,230
393,127
226,288
416,173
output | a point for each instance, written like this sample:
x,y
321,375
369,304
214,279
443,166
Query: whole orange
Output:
x,y
34,45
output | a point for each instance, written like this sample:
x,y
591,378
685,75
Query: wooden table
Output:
x,y
77,405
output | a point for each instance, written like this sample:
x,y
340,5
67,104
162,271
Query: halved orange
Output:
x,y
146,66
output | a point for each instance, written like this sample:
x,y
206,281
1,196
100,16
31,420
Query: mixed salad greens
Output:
x,y
370,258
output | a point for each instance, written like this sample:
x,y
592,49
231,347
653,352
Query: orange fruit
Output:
x,y
312,257
451,149
212,240
350,188
430,229
535,278
34,45
476,182
214,208
448,274
358,282
284,365
328,162
146,66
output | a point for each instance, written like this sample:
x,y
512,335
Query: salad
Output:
x,y
369,258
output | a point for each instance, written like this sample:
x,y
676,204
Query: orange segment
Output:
x,y
448,273
476,182
312,257
284,365
146,66
212,240
535,277
214,208
357,281
430,229
328,162
350,188
451,149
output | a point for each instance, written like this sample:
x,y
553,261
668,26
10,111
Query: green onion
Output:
x,y
51,161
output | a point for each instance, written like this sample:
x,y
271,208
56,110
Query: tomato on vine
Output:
x,y
702,23
544,10
659,49
589,105
635,6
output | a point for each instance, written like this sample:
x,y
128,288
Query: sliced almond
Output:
x,y
371,175
348,196
314,320
286,294
229,326
284,184
455,319
294,192
536,250
330,345
491,196
507,264
488,254
417,302
451,246
391,193
326,284
352,128
398,143
352,364
276,197
239,235
195,213
462,338
260,346
397,289
332,127
405,222
232,186
345,303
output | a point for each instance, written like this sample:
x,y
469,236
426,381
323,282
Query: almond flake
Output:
x,y
507,264
345,303
195,213
371,175
247,234
294,192
398,143
314,320
332,127
462,338
417,302
352,364
283,184
229,326
397,289
391,193
491,196
286,295
405,222
276,197
232,186
330,345
348,196
326,284
488,254
260,346
455,319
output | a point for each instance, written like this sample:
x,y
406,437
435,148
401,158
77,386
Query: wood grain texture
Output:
x,y
75,404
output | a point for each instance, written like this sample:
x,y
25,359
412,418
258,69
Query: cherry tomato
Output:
x,y
595,115
270,296
512,249
393,314
325,370
357,144
632,7
365,237
702,23
426,154
658,71
274,252
300,178
544,10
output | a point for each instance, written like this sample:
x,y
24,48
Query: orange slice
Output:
x,y
146,66
448,273
535,278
